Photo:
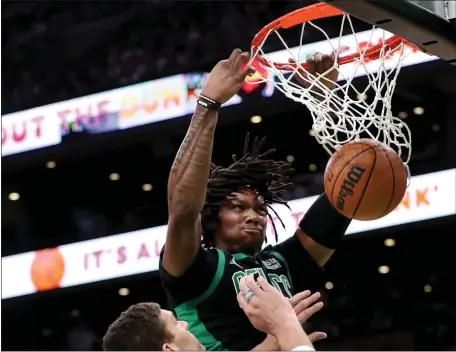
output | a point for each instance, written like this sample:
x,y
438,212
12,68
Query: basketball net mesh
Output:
x,y
342,114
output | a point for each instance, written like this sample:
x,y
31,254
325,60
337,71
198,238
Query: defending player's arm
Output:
x,y
269,311
322,227
304,305
190,171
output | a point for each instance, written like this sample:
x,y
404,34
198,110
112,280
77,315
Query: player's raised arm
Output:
x,y
190,172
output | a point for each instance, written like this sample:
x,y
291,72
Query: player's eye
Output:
x,y
263,211
237,207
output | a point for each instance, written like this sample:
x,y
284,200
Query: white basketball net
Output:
x,y
345,113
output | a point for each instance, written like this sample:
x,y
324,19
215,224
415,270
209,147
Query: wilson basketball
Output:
x,y
47,270
365,180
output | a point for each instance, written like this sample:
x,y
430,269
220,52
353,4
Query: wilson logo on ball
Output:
x,y
351,180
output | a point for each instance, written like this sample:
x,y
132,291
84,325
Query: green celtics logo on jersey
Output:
x,y
280,282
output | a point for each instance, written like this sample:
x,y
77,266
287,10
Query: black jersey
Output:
x,y
205,296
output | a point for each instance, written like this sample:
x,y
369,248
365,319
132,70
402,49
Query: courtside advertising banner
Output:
x,y
166,98
117,109
131,106
28,130
428,196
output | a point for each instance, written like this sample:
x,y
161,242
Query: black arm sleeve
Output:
x,y
304,271
194,281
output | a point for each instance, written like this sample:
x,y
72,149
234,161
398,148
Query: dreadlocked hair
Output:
x,y
253,171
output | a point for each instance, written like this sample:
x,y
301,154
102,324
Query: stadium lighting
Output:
x,y
124,291
147,187
114,176
255,119
51,164
389,242
418,110
290,158
14,196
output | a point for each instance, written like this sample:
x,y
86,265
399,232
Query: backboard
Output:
x,y
444,9
429,24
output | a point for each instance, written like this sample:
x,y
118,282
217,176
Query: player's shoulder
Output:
x,y
272,255
268,251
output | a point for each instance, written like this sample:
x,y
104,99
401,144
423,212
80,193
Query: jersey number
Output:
x,y
280,282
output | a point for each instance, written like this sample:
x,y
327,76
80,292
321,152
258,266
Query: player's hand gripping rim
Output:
x,y
227,77
322,66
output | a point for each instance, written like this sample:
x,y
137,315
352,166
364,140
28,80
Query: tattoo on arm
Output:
x,y
190,171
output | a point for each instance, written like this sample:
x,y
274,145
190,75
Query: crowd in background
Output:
x,y
68,49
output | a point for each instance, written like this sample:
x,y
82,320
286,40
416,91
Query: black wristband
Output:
x,y
324,224
208,103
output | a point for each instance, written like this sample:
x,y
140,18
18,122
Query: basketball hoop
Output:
x,y
339,115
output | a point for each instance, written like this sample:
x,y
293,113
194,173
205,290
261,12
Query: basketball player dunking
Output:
x,y
217,223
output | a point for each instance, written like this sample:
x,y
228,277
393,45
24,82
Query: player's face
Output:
x,y
243,219
182,339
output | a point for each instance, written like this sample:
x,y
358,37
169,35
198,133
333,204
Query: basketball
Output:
x,y
47,270
365,180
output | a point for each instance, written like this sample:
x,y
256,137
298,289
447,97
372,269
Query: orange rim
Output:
x,y
312,13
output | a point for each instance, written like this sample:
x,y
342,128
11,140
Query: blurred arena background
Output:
x,y
93,186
